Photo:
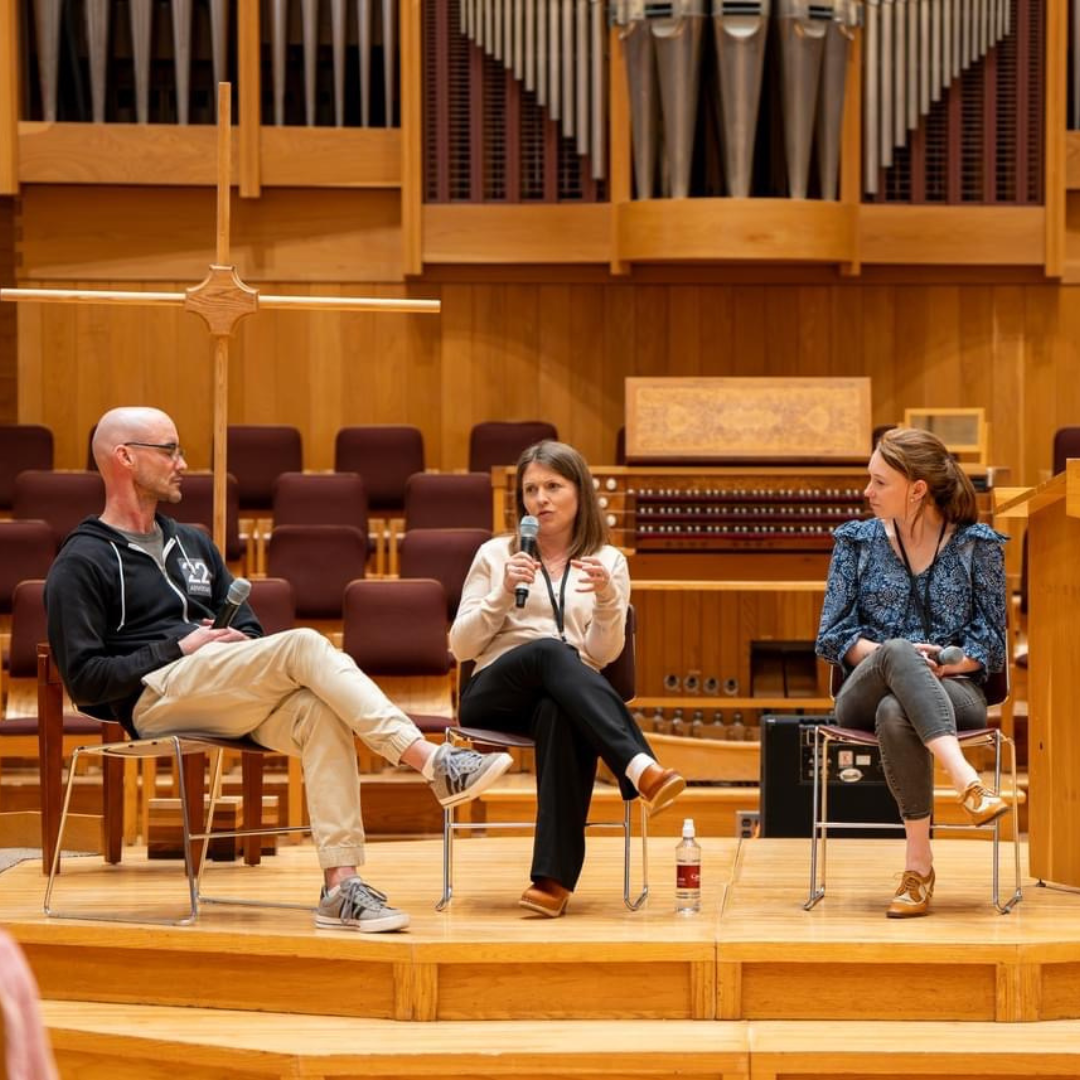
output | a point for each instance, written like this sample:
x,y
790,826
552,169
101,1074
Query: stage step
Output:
x,y
138,1042
752,954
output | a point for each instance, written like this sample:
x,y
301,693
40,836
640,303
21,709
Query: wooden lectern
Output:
x,y
1053,516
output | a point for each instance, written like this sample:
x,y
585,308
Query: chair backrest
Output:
x,y
258,454
385,456
1066,445
397,627
621,672
26,551
63,499
448,501
321,499
318,561
274,603
197,508
22,447
28,628
443,554
500,442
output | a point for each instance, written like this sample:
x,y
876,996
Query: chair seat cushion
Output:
x,y
494,738
74,724
431,724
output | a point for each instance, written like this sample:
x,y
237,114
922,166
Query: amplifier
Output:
x,y
857,788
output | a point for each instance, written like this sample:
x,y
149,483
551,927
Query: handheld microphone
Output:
x,y
951,654
527,530
238,593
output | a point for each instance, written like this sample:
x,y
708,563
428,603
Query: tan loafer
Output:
x,y
545,898
659,788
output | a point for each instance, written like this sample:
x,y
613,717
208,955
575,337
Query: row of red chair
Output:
x,y
385,455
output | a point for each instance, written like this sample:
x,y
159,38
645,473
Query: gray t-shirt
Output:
x,y
153,542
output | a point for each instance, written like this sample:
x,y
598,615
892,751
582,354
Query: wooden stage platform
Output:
x,y
753,960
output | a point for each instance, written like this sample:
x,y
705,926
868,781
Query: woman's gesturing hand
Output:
x,y
595,576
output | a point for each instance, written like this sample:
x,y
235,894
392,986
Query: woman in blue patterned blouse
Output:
x,y
919,576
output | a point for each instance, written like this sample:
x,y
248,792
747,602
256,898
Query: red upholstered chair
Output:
x,y
318,561
22,447
448,501
26,551
62,499
19,727
385,456
258,454
274,602
197,508
396,632
500,442
442,554
322,499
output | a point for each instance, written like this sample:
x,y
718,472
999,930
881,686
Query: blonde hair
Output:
x,y
590,529
919,455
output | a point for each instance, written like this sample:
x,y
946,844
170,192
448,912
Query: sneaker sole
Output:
x,y
365,926
501,763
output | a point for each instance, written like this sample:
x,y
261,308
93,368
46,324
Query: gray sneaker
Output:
x,y
461,775
355,905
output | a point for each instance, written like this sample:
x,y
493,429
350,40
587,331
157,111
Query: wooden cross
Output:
x,y
221,300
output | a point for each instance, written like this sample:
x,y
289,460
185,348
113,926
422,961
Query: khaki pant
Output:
x,y
294,693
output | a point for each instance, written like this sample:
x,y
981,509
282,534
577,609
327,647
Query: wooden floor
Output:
x,y
770,975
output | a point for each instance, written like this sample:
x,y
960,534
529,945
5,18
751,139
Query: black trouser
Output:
x,y
542,689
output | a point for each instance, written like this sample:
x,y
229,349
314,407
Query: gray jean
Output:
x,y
894,693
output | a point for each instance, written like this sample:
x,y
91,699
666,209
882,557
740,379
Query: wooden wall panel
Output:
x,y
560,350
9,408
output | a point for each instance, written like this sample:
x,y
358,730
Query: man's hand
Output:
x,y
206,634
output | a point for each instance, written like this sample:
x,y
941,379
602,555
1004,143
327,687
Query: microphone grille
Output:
x,y
529,526
951,654
239,590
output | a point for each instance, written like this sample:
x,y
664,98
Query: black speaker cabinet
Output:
x,y
787,781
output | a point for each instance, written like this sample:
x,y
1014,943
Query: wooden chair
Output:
x,y
189,754
827,735
621,673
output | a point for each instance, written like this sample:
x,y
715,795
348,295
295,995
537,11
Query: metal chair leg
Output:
x,y
635,904
817,818
447,859
193,912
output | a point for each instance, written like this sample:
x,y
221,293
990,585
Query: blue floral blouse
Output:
x,y
869,594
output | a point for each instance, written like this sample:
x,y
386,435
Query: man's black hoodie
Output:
x,y
114,616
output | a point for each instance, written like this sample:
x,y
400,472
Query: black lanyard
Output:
x,y
558,606
922,603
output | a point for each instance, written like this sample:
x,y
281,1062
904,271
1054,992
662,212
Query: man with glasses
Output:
x,y
131,598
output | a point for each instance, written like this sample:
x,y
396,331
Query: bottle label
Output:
x,y
688,876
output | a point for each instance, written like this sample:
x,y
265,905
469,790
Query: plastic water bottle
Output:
x,y
688,872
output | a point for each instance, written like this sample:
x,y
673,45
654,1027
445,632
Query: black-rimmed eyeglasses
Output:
x,y
174,450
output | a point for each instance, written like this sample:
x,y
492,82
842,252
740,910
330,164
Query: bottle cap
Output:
x,y
688,828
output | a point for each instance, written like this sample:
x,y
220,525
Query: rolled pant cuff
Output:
x,y
341,856
399,741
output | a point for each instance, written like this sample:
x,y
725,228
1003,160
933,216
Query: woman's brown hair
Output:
x,y
919,455
590,529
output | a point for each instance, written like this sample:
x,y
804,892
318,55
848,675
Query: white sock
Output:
x,y
428,770
638,764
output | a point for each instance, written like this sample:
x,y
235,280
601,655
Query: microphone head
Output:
x,y
239,591
951,654
529,527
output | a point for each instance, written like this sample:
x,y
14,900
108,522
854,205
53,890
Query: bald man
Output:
x,y
131,598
